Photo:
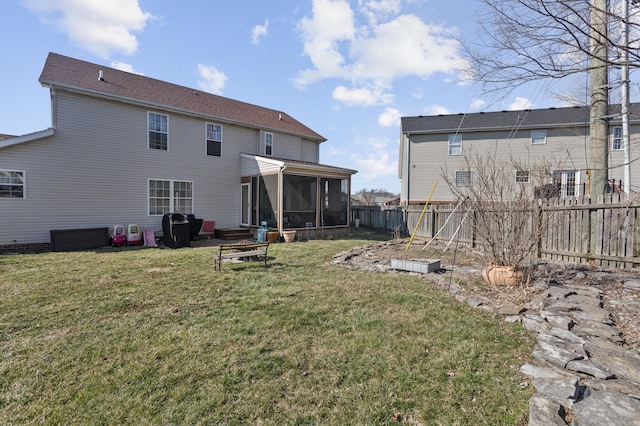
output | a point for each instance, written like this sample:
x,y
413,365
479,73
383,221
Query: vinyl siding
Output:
x,y
309,151
286,146
94,171
429,156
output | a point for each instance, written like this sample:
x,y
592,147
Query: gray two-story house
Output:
x,y
125,148
438,145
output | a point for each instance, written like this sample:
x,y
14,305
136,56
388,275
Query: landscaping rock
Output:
x,y
584,371
606,408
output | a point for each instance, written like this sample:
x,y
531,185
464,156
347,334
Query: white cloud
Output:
x,y
373,54
418,93
361,96
390,117
123,66
438,109
405,46
376,164
520,103
379,9
211,79
332,23
259,31
477,105
101,27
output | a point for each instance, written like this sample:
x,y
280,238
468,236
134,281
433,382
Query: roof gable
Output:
x,y
73,74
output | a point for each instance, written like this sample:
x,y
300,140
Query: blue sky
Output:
x,y
347,69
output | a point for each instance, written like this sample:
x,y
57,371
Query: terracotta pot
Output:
x,y
272,236
289,236
501,275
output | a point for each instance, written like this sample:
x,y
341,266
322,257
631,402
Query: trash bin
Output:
x,y
175,227
194,226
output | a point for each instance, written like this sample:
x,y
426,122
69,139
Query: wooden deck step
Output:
x,y
234,234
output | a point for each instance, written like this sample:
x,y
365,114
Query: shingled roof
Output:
x,y
80,76
486,121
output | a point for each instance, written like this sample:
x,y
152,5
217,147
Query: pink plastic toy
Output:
x,y
118,238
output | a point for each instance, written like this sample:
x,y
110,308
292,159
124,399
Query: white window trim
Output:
x,y
613,138
538,134
171,196
563,180
455,141
266,144
206,138
24,184
149,130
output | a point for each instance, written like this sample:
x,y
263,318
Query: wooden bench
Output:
x,y
258,251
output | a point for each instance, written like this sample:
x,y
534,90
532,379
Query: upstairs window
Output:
x,y
463,178
158,131
522,176
11,184
455,144
268,144
214,140
538,137
617,143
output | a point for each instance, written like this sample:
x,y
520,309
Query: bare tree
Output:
x,y
499,191
527,40
521,41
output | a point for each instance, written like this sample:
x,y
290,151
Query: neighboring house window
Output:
x,y
616,139
158,131
268,143
538,137
522,176
11,184
463,178
214,140
170,196
455,144
568,182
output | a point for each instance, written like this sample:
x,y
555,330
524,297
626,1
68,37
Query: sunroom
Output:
x,y
294,195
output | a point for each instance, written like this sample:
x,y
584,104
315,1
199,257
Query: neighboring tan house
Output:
x,y
432,146
125,148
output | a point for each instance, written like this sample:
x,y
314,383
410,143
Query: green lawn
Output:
x,y
151,336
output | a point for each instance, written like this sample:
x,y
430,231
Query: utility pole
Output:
x,y
625,100
598,147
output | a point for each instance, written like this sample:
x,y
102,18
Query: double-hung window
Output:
x,y
617,143
12,184
214,139
455,144
170,196
268,144
463,178
538,137
158,131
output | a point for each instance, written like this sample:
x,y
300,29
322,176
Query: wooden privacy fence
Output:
x,y
605,232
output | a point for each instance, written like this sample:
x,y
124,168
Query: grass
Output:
x,y
149,336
